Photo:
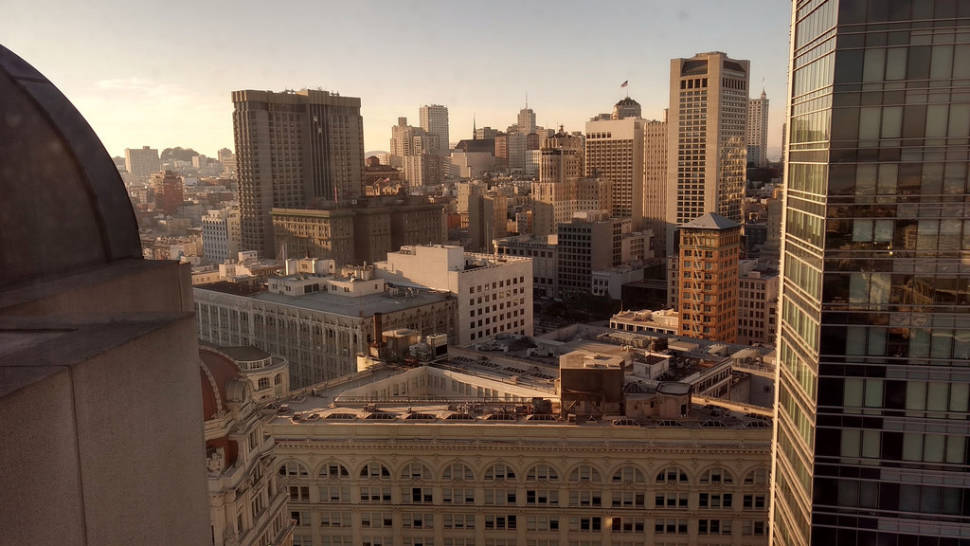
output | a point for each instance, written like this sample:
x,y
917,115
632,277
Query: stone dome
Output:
x,y
64,205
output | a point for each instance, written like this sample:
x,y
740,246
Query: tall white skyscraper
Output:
x,y
434,120
756,136
614,151
706,154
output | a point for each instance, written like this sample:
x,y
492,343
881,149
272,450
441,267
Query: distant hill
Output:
x,y
368,154
181,154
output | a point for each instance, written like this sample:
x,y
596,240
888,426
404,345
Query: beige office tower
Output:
x,y
434,120
293,148
756,135
561,157
614,151
655,180
142,162
526,121
706,155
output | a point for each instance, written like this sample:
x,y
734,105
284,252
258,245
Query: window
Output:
x,y
713,527
333,494
334,471
301,517
542,472
628,499
585,498
493,521
457,471
585,524
542,496
754,502
411,520
716,476
294,469
670,500
458,521
630,474
672,475
499,497
376,520
627,525
336,519
753,528
543,523
375,471
375,494
263,383
299,493
714,500
416,495
458,495
585,473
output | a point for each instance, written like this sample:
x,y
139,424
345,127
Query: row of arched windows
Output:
x,y
672,475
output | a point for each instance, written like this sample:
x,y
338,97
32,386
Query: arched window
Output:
x,y
585,473
672,475
542,472
758,476
416,471
629,474
716,476
457,471
334,471
500,471
293,469
375,471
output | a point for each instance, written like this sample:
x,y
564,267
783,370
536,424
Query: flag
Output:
x,y
625,82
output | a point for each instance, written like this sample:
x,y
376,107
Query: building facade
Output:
x,y
142,162
757,305
320,332
293,148
168,190
706,154
362,231
434,120
756,135
494,293
544,253
247,499
708,271
655,180
614,151
587,244
221,234
872,386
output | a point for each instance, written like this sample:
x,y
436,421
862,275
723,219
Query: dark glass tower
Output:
x,y
874,344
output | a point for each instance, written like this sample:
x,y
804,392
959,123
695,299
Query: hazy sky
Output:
x,y
160,73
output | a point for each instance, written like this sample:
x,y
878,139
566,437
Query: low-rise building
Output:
x,y
320,332
665,321
494,293
757,304
545,260
609,282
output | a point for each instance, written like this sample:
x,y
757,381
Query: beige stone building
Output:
x,y
293,148
142,162
247,502
434,120
458,452
363,231
756,134
556,203
706,154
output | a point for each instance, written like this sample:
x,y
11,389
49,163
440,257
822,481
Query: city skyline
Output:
x,y
134,89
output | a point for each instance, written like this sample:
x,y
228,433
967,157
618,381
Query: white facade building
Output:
x,y
221,234
494,292
614,151
757,131
434,120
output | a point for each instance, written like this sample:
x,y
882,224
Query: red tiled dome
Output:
x,y
217,372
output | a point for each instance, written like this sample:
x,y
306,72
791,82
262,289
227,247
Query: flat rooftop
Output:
x,y
362,306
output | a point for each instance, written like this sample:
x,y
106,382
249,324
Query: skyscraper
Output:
x,y
655,180
614,151
526,122
434,120
705,152
872,398
756,135
292,148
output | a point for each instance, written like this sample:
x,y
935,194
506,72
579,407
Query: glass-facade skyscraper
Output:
x,y
874,345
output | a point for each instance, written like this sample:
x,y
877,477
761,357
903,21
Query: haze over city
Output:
x,y
161,74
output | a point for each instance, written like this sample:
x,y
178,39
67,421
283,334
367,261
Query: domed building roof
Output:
x,y
64,204
626,108
220,382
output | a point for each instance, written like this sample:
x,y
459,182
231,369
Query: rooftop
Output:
x,y
711,221
393,300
